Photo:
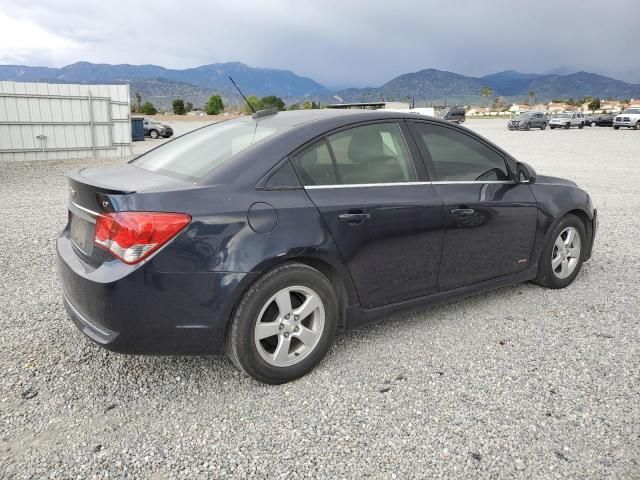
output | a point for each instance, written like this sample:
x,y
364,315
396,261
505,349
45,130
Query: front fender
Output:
x,y
555,200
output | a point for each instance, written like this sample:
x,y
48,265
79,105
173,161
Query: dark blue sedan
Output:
x,y
261,236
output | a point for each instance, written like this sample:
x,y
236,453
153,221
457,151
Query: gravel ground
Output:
x,y
522,382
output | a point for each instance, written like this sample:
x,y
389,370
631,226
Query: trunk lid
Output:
x,y
97,190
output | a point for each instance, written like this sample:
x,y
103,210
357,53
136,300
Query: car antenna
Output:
x,y
245,98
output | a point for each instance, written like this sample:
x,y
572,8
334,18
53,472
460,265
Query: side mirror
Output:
x,y
525,173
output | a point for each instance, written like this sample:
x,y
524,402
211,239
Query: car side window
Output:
x,y
375,153
459,157
315,166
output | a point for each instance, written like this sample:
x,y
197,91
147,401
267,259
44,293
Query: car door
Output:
x,y
537,120
385,218
490,220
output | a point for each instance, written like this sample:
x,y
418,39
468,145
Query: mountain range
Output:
x,y
161,85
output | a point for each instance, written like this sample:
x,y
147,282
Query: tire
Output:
x,y
552,127
154,134
527,127
259,357
543,126
616,127
581,126
557,277
594,124
567,126
637,125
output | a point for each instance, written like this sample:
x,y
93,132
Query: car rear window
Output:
x,y
198,153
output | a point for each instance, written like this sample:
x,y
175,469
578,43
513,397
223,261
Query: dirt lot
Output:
x,y
522,382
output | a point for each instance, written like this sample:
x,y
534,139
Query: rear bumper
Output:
x,y
142,310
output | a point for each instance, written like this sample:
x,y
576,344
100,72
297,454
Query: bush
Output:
x,y
178,106
255,103
272,102
148,108
214,106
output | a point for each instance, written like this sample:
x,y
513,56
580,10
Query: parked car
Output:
x,y
603,120
567,120
529,120
630,118
453,114
155,129
260,236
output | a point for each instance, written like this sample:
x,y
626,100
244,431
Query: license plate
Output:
x,y
80,230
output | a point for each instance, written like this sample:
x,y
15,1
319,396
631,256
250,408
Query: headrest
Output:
x,y
365,144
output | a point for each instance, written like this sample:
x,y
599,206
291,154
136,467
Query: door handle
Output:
x,y
354,218
462,212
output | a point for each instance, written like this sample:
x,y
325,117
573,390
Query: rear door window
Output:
x,y
315,165
375,153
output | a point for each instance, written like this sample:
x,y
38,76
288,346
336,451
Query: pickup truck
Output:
x,y
629,118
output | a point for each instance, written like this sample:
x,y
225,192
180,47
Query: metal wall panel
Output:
x,y
49,121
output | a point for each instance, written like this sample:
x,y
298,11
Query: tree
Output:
x,y
178,106
295,106
148,108
531,94
138,102
594,105
188,107
272,102
486,92
254,102
307,105
214,106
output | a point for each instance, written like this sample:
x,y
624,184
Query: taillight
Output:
x,y
133,236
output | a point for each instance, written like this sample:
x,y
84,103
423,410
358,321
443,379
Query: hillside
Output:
x,y
161,85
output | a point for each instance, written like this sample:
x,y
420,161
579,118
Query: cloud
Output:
x,y
338,43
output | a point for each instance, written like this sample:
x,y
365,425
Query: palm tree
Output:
x,y
531,94
486,92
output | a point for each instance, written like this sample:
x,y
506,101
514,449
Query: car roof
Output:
x,y
294,118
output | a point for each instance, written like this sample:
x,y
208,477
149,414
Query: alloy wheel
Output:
x,y
566,252
289,326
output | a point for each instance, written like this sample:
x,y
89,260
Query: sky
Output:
x,y
348,43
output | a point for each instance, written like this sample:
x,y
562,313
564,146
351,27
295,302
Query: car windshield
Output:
x,y
563,115
196,154
632,110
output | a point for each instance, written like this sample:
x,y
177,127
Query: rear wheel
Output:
x,y
581,126
637,126
567,125
616,127
543,126
284,324
527,127
593,124
154,134
563,255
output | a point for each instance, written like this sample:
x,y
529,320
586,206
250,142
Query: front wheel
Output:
x,y
616,128
543,126
284,324
594,124
567,125
581,126
563,255
527,127
154,134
